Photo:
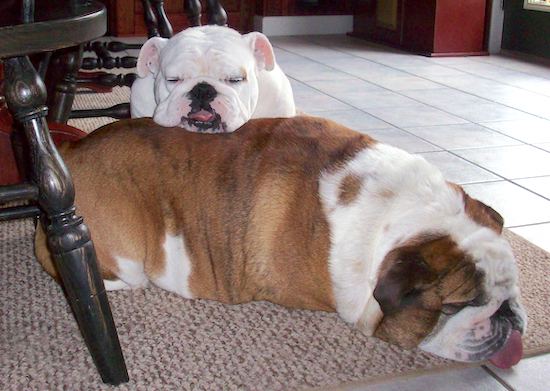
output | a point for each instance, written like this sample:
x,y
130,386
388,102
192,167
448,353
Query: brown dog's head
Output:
x,y
454,294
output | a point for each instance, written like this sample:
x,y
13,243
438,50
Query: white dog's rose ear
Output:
x,y
263,51
149,55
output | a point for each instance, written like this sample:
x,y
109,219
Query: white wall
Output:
x,y
495,27
303,25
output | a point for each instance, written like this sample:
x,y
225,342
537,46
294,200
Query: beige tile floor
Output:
x,y
485,121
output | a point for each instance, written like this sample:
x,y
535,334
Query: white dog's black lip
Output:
x,y
216,123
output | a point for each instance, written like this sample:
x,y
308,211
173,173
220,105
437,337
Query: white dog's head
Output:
x,y
206,77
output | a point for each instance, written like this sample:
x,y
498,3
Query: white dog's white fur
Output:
x,y
241,68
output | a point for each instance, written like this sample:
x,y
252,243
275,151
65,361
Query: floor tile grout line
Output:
x,y
526,188
397,92
498,378
482,124
531,177
481,58
523,144
528,225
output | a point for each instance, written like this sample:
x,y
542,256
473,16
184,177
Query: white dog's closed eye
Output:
x,y
235,79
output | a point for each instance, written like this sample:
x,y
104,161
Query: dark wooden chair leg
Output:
x,y
150,19
164,26
68,237
61,77
215,13
113,46
120,111
108,79
193,10
90,63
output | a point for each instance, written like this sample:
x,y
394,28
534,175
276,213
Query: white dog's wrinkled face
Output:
x,y
206,77
456,300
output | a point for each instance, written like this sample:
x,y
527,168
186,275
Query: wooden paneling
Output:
x,y
297,7
126,16
179,22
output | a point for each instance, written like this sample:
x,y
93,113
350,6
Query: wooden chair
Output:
x,y
59,26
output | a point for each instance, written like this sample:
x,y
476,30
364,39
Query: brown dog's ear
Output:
x,y
479,212
149,56
483,214
403,273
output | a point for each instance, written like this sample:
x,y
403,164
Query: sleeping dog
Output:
x,y
210,79
304,213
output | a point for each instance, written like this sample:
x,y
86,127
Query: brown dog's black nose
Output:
x,y
203,92
505,312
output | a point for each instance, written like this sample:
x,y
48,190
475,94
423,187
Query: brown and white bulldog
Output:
x,y
304,213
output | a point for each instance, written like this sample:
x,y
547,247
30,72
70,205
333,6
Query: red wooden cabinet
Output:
x,y
429,27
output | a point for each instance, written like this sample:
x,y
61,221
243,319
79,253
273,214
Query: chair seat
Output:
x,y
10,173
65,27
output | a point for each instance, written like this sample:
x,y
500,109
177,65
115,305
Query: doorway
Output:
x,y
527,26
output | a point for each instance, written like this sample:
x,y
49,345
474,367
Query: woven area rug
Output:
x,y
173,343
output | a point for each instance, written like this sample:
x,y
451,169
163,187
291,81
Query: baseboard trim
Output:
x,y
303,25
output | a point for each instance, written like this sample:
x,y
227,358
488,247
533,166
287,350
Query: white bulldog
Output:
x,y
210,79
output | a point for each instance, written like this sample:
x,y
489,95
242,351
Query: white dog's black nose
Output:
x,y
203,92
